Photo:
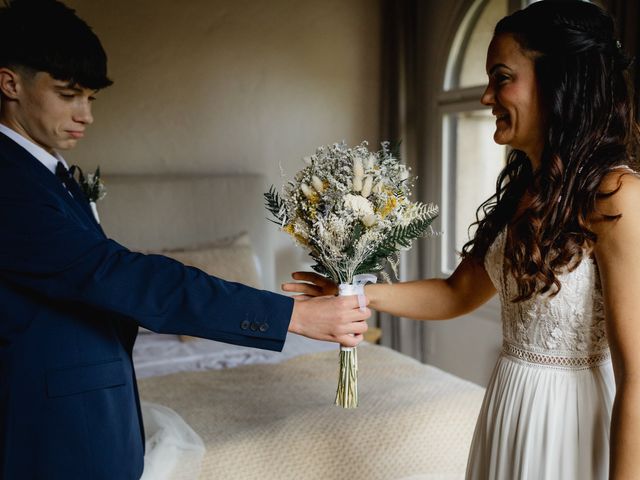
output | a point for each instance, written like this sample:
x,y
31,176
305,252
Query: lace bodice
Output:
x,y
547,329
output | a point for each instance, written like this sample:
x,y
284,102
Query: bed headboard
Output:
x,y
153,212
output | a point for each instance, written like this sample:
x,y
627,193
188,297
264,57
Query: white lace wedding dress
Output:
x,y
547,407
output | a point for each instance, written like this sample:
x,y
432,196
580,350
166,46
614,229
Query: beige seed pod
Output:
x,y
317,184
371,161
306,190
357,184
366,186
358,168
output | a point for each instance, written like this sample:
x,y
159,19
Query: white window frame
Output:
x,y
451,100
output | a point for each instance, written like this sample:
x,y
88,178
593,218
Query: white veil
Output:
x,y
173,450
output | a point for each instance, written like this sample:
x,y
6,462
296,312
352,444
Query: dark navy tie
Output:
x,y
66,177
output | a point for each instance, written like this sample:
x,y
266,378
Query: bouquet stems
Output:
x,y
347,393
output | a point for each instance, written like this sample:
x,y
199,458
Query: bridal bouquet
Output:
x,y
350,209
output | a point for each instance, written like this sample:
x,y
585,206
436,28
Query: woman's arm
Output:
x,y
617,253
435,299
432,299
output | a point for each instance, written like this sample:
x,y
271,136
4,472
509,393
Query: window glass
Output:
x,y
473,162
472,67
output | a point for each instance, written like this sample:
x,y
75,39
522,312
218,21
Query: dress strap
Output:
x,y
625,167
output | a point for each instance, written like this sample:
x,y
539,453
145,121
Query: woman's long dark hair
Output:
x,y
582,74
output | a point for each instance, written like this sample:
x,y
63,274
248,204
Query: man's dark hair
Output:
x,y
48,36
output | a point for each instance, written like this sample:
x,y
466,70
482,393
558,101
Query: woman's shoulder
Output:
x,y
618,196
617,188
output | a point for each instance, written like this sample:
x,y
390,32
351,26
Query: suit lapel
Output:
x,y
79,206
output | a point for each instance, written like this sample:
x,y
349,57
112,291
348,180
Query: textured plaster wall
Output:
x,y
231,86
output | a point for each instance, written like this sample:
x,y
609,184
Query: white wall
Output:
x,y
231,86
222,86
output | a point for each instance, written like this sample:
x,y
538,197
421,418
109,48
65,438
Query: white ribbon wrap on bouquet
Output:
x,y
347,393
356,288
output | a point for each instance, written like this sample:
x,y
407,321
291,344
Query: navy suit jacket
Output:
x,y
71,301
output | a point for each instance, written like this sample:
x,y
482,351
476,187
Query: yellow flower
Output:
x,y
289,228
301,240
388,206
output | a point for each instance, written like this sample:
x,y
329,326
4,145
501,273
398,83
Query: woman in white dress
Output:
x,y
560,244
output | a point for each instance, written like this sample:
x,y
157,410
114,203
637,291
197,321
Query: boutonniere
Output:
x,y
92,187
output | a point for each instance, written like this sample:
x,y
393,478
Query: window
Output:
x,y
471,160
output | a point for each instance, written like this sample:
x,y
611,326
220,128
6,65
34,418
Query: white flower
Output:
x,y
307,160
556,333
317,184
377,188
369,220
358,205
404,173
366,186
337,226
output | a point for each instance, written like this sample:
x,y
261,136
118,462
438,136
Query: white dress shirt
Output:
x,y
44,157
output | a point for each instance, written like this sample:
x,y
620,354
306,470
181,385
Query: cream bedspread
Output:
x,y
279,422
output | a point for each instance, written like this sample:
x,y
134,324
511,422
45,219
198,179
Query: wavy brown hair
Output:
x,y
583,77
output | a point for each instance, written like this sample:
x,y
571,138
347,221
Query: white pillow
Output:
x,y
230,259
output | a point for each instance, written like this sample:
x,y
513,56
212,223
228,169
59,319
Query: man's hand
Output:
x,y
330,318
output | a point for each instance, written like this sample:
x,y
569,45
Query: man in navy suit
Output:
x,y
71,300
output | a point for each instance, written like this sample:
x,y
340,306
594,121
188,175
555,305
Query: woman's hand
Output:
x,y
314,285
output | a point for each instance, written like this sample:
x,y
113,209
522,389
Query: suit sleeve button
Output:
x,y
264,327
244,325
254,326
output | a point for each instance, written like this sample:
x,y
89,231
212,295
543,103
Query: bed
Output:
x,y
270,415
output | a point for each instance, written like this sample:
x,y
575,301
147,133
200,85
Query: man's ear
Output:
x,y
9,83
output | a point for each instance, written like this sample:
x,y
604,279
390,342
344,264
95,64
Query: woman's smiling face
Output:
x,y
514,97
